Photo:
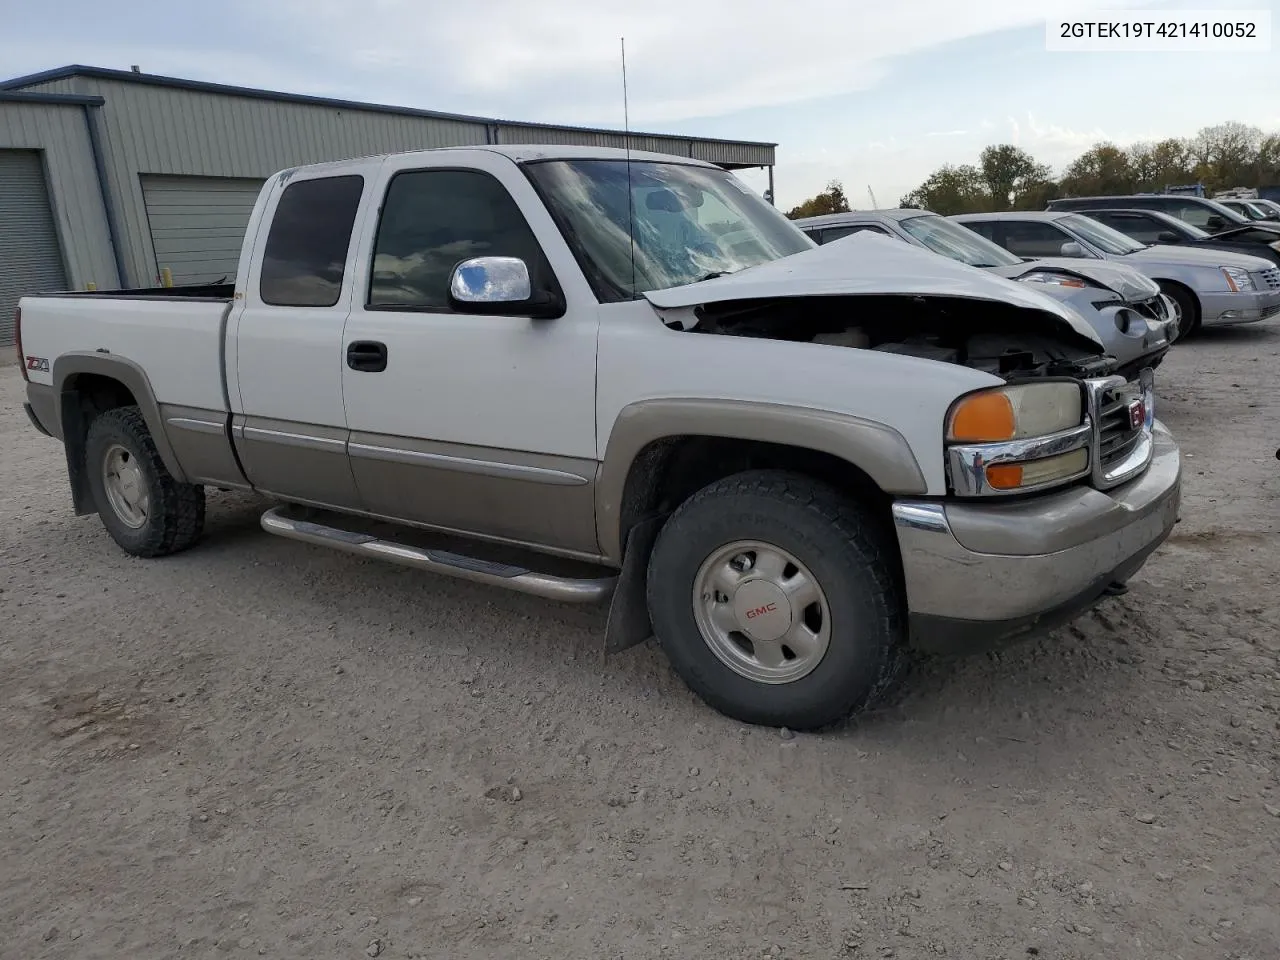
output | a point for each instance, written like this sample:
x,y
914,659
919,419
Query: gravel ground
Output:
x,y
264,748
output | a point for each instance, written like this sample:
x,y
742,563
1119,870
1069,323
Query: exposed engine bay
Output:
x,y
1008,341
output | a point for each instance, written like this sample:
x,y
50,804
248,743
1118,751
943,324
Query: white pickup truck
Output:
x,y
587,375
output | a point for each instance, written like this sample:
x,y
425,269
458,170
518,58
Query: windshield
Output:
x,y
959,243
690,223
1101,236
1255,212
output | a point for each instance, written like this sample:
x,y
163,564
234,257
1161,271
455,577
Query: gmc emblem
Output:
x,y
761,611
1137,414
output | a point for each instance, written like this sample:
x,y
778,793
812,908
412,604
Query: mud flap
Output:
x,y
629,612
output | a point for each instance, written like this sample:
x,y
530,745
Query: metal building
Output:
x,y
108,177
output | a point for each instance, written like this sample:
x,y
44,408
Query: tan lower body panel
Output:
x,y
524,497
201,442
302,461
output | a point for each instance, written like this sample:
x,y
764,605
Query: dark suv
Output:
x,y
1206,214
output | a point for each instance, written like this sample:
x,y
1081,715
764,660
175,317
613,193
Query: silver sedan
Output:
x,y
1208,286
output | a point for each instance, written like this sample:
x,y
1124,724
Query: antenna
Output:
x,y
626,142
874,205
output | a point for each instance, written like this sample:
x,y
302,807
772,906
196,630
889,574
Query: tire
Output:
x,y
1188,308
148,513
829,540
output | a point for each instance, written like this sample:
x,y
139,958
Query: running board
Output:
x,y
569,590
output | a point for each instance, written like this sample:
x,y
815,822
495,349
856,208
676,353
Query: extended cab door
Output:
x,y
475,423
284,344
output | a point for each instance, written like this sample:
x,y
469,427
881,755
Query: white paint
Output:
x,y
550,386
504,382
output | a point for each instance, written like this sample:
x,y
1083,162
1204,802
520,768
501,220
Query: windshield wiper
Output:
x,y
713,274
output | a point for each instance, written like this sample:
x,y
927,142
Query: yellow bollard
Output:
x,y
166,277
91,286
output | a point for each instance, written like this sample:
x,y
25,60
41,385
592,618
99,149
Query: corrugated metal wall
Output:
x,y
712,151
163,130
59,130
198,224
149,129
30,260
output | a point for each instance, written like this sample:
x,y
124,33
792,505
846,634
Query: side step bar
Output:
x,y
277,521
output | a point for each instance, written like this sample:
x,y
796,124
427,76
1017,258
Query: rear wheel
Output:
x,y
776,601
1186,306
146,511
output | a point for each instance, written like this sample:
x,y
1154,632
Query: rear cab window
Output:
x,y
305,258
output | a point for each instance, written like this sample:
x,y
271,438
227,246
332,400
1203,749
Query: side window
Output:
x,y
984,228
1140,228
835,233
432,220
306,252
1026,238
1195,215
814,235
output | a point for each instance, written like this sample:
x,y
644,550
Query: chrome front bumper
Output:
x,y
981,573
1220,309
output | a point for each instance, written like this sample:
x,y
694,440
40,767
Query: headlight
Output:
x,y
1015,412
1017,439
1238,280
1057,279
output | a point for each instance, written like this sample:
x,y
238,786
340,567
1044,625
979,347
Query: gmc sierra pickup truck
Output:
x,y
599,376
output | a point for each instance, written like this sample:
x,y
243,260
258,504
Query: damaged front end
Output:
x,y
1007,340
897,298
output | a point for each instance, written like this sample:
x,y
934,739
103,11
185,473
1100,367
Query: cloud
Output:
x,y
947,133
561,61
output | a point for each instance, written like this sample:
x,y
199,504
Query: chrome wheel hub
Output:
x,y
762,612
125,487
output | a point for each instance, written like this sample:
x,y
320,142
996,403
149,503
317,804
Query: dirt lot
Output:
x,y
263,748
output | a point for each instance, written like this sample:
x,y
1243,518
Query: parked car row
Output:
x,y
1228,276
1208,286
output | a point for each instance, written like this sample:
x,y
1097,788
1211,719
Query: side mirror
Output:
x,y
1072,249
1215,224
1167,236
500,286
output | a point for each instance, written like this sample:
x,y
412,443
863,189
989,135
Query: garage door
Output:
x,y
197,224
30,258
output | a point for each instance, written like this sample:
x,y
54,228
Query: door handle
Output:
x,y
368,356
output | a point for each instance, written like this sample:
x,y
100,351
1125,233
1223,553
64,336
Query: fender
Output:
x,y
875,448
69,416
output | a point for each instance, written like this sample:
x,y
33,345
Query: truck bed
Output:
x,y
203,291
174,335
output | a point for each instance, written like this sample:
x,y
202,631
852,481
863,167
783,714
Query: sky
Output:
x,y
875,94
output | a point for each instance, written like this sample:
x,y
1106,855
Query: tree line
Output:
x,y
1006,177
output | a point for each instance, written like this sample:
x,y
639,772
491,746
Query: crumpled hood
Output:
x,y
1193,257
1125,281
866,264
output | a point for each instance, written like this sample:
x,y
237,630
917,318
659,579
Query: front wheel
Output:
x,y
146,511
776,601
1186,308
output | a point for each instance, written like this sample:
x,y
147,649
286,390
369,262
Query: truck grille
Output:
x,y
1270,278
1116,434
1122,417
